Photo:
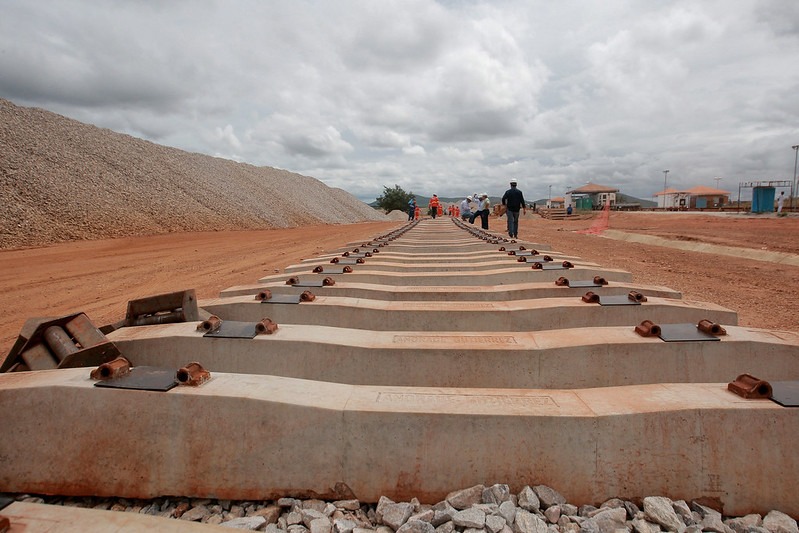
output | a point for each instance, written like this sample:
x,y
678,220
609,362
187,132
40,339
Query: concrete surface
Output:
x,y
262,437
480,293
519,315
558,359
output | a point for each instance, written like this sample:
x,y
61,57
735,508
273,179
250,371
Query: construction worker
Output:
x,y
434,205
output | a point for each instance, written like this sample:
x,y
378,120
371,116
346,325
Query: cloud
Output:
x,y
448,96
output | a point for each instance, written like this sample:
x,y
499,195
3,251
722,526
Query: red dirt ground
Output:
x,y
99,277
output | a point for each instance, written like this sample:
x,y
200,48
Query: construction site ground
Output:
x,y
753,268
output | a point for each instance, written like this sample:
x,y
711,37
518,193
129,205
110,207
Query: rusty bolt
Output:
x,y
111,370
599,280
502,249
522,248
567,264
212,323
347,268
193,375
547,258
265,327
327,282
562,282
318,269
538,266
292,280
711,327
591,298
647,328
346,254
266,294
750,387
307,296
521,259
636,296
360,260
334,260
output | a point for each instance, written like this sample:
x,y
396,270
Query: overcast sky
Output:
x,y
448,97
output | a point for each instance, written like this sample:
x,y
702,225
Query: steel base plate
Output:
x,y
347,262
150,378
230,329
284,298
785,393
312,283
584,284
5,502
526,253
334,270
684,333
618,300
548,266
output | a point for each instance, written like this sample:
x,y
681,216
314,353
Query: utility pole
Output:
x,y
665,175
794,184
717,181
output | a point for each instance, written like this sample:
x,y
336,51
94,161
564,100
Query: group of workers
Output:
x,y
477,206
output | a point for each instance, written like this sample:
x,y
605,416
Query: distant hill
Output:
x,y
62,180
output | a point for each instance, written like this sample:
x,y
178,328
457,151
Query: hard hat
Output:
x,y
513,181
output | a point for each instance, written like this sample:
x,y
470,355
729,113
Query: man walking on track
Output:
x,y
513,200
434,205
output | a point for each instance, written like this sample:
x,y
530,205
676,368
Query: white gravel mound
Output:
x,y
62,180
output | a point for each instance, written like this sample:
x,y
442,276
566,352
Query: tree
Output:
x,y
394,198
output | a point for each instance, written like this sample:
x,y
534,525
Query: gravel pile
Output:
x,y
478,509
62,180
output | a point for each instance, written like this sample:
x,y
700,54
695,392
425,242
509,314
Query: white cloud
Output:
x,y
445,96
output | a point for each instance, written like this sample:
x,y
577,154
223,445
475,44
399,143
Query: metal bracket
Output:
x,y
549,266
684,333
149,378
583,284
619,300
785,393
283,299
230,329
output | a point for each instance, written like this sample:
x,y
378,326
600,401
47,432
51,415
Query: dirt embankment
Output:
x,y
61,180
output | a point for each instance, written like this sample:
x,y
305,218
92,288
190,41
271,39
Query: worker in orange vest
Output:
x,y
434,206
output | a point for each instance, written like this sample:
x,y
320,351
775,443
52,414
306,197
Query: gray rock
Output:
x,y
552,514
528,500
507,510
442,512
215,519
495,523
613,503
779,522
743,524
465,498
247,523
309,515
446,527
364,530
658,510
344,525
611,519
571,527
527,522
693,528
319,525
568,509
548,496
586,510
711,519
297,528
642,526
589,525
195,514
496,494
317,505
416,526
382,503
273,528
425,515
474,530
396,514
470,518
684,512
632,509
347,505
293,518
236,511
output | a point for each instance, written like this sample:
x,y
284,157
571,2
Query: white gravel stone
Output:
x,y
659,510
